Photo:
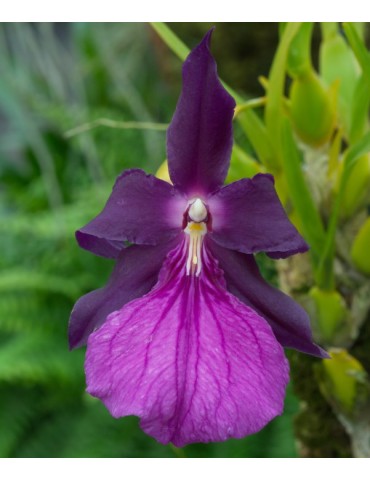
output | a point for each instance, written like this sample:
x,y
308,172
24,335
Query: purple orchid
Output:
x,y
187,335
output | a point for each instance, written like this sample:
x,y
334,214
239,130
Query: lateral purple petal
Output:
x,y
289,321
247,216
135,273
200,136
190,359
141,209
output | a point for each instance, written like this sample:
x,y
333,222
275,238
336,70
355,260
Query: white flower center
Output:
x,y
198,211
196,229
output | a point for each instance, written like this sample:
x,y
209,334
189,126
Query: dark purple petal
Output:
x,y
199,139
248,216
135,273
141,209
190,359
289,321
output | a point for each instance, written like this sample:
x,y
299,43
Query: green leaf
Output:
x,y
338,63
328,30
275,94
325,274
310,220
171,39
334,154
255,130
359,109
357,189
352,155
241,165
360,248
358,48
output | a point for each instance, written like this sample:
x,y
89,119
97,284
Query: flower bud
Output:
x,y
299,55
360,249
330,312
312,109
357,188
341,379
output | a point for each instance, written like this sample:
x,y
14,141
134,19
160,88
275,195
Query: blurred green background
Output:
x,y
53,78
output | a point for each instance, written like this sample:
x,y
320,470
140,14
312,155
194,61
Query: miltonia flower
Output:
x,y
187,335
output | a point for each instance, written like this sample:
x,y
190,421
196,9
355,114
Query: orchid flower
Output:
x,y
187,335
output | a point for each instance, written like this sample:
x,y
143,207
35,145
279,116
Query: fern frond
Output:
x,y
31,359
19,279
18,408
61,223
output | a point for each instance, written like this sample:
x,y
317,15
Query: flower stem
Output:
x,y
179,452
106,122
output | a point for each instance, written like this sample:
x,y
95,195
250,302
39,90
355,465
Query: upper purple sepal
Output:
x,y
200,136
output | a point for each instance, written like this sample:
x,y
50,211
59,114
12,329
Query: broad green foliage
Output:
x,y
53,179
